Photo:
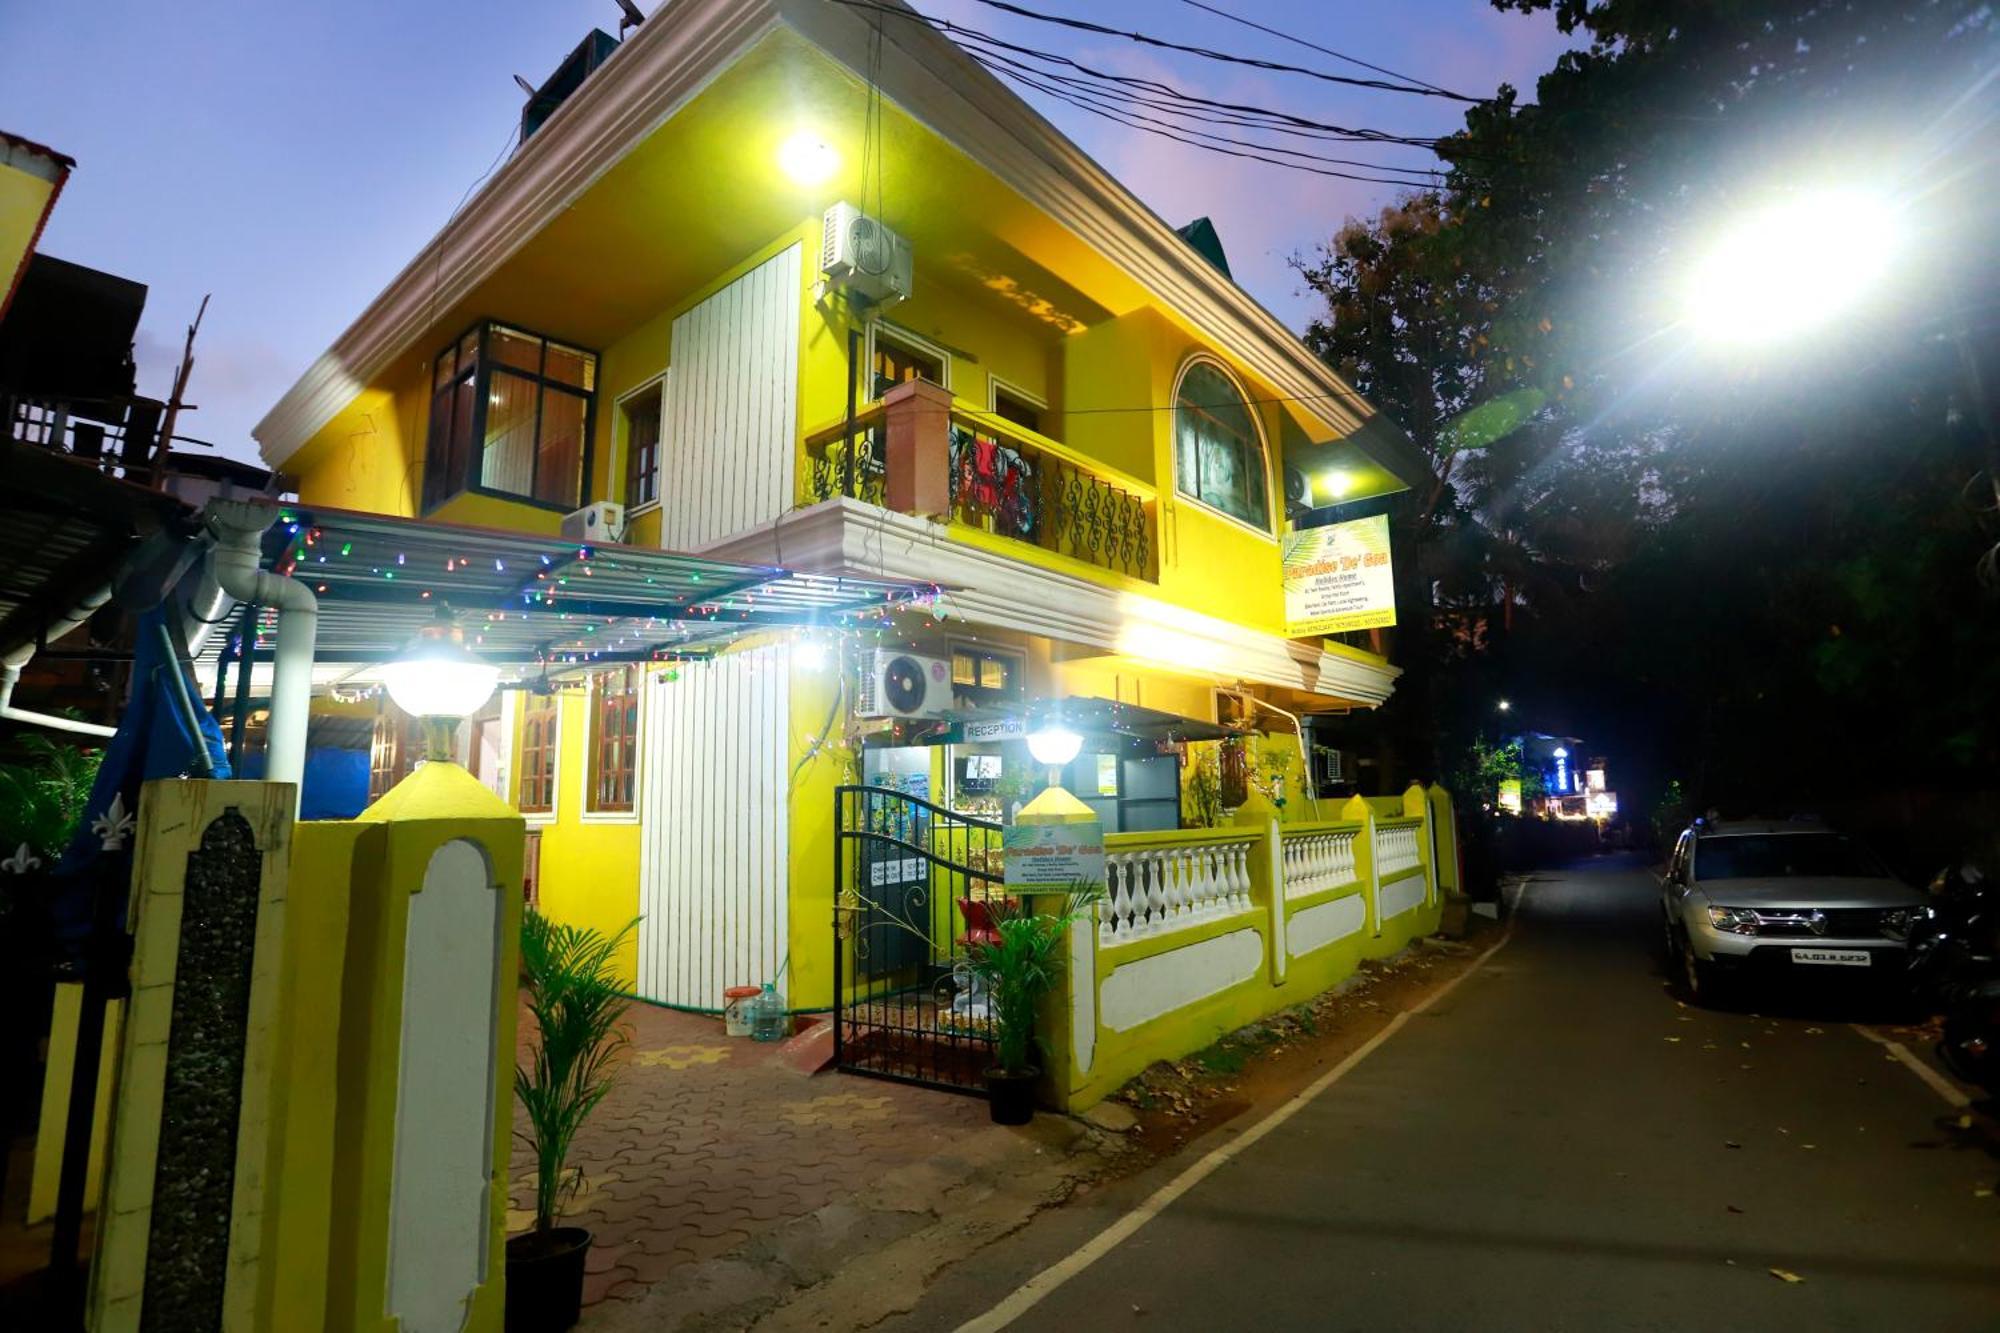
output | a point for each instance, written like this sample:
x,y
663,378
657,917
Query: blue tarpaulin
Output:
x,y
153,741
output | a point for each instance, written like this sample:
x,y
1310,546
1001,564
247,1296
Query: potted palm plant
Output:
x,y
572,991
1016,966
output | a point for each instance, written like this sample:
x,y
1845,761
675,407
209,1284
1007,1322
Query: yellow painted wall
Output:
x,y
589,863
46,1172
24,200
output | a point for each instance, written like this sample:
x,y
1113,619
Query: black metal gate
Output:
x,y
912,883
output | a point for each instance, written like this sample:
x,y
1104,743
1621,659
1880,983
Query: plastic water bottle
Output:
x,y
768,1019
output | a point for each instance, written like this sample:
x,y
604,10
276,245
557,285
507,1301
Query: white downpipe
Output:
x,y
14,659
1298,730
239,529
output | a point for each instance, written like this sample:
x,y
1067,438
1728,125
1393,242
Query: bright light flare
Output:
x,y
1792,266
807,159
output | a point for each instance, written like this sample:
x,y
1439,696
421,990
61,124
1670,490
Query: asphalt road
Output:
x,y
1558,1144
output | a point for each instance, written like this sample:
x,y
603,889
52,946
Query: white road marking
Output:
x,y
1039,1286
1939,1084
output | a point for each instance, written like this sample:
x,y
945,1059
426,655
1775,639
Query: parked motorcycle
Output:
x,y
1954,968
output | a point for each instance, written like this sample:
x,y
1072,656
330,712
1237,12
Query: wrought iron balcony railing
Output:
x,y
996,476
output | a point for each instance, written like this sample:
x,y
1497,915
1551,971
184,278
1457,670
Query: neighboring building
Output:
x,y
1076,426
31,177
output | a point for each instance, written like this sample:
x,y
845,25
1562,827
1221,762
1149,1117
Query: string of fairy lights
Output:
x,y
328,564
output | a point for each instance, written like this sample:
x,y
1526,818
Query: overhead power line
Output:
x,y
1404,85
1323,50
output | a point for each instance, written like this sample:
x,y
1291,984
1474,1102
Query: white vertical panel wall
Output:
x,y
730,433
716,822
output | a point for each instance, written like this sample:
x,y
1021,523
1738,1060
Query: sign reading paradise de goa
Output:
x,y
1053,856
1339,578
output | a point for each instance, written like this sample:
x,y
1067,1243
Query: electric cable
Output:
x,y
1324,50
1207,53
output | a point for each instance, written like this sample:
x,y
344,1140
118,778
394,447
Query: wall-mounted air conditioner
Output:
x,y
900,684
860,254
603,521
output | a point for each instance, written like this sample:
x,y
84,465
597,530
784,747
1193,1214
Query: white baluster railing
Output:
x,y
1172,886
1315,862
1395,849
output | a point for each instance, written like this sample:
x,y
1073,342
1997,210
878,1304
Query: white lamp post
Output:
x,y
438,680
1055,745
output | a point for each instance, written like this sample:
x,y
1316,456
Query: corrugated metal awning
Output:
x,y
523,599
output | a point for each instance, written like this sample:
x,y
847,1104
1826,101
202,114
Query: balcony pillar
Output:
x,y
917,414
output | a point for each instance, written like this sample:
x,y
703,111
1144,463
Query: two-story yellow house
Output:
x,y
676,296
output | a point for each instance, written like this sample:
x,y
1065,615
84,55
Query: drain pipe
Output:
x,y
1299,730
14,659
239,527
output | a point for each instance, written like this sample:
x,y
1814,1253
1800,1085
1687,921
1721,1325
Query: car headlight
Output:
x,y
1736,920
1897,921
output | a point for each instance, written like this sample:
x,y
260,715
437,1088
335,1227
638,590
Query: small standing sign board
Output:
x,y
1051,857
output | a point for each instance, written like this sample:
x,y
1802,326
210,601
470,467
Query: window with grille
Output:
x,y
538,755
1218,454
614,738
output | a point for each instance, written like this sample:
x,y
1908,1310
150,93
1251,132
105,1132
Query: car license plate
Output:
x,y
1835,957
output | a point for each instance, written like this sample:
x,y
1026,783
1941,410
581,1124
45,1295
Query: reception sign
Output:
x,y
1339,578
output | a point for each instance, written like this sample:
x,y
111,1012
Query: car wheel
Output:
x,y
1698,979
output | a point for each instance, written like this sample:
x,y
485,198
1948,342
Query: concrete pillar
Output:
x,y
917,453
1358,811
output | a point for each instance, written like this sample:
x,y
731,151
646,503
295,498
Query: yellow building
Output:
x,y
31,177
676,298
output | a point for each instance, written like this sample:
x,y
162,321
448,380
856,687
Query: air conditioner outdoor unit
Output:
x,y
859,253
603,521
900,684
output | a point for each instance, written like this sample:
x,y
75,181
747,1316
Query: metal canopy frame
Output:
x,y
528,600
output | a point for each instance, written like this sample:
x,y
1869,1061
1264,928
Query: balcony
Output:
x,y
918,451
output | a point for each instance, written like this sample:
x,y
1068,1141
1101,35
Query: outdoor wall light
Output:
x,y
807,159
1055,745
1336,484
436,678
1789,266
810,652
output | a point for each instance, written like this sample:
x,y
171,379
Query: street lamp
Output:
x,y
1504,706
1055,745
1790,266
438,680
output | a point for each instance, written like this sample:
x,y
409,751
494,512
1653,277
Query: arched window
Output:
x,y
1218,455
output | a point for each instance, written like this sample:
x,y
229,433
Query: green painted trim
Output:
x,y
1404,873
1357,889
1111,957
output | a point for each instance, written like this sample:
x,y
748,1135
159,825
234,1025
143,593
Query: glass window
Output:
x,y
1218,455
898,362
538,755
986,675
642,450
1018,410
514,421
614,738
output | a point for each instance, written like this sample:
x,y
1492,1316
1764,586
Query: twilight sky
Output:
x,y
291,158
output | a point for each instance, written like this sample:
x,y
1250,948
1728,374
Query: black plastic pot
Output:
x,y
1011,1097
545,1280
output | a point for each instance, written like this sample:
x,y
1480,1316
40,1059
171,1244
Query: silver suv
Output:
x,y
1778,897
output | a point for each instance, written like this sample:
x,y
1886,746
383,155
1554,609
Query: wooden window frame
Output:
x,y
910,341
437,490
546,780
656,389
393,745
996,388
597,808
1269,530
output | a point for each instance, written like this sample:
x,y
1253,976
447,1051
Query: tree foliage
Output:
x,y
1762,562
